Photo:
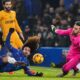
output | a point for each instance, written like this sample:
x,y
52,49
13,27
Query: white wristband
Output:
x,y
11,60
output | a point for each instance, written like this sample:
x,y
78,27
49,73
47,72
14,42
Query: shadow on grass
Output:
x,y
39,77
62,77
13,76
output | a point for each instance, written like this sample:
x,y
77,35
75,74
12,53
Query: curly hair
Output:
x,y
32,43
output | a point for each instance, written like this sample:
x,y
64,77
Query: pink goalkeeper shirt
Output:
x,y
75,41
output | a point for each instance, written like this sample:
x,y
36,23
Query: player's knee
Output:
x,y
5,59
66,68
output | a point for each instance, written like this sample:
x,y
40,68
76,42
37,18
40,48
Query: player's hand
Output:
x,y
11,30
39,74
21,35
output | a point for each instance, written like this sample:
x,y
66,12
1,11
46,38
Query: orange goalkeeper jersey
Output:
x,y
7,21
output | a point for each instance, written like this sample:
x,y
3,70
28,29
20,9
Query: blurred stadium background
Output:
x,y
35,17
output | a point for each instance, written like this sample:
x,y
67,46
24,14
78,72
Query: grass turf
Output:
x,y
49,74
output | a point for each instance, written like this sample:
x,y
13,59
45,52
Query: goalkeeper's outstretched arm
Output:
x,y
61,31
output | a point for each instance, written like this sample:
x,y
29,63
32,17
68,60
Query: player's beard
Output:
x,y
75,34
8,8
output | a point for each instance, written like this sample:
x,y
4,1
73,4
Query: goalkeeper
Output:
x,y
73,56
18,58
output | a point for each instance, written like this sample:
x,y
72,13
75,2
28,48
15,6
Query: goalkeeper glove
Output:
x,y
53,28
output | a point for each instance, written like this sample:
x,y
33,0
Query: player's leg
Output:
x,y
8,59
76,69
2,65
11,60
69,65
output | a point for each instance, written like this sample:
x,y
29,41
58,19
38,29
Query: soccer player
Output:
x,y
18,59
7,21
73,56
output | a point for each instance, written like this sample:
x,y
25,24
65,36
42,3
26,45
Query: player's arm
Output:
x,y
18,29
61,31
13,50
7,43
28,71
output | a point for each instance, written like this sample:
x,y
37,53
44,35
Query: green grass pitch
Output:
x,y
49,74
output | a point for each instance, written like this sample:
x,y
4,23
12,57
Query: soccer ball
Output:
x,y
38,58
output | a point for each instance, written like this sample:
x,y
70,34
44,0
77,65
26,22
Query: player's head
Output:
x,y
76,28
32,43
26,51
7,4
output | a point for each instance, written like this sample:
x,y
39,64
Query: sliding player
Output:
x,y
18,58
